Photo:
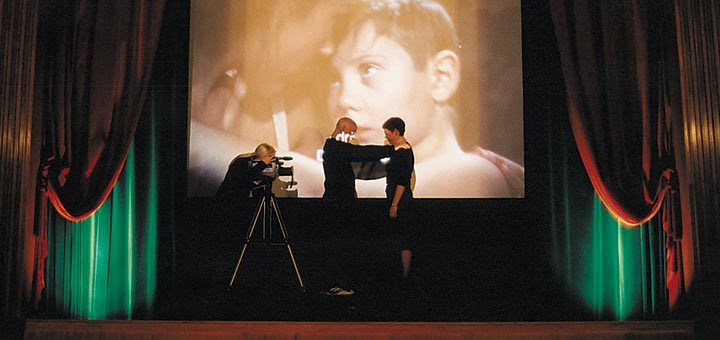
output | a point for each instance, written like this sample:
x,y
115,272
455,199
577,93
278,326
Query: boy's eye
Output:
x,y
368,70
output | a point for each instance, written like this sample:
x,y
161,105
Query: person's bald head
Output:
x,y
345,125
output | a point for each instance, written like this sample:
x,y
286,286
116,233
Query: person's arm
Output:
x,y
403,157
359,153
254,175
399,189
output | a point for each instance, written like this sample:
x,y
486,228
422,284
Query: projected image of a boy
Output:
x,y
293,67
399,58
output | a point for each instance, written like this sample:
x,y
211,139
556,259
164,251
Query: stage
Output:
x,y
78,330
471,280
463,271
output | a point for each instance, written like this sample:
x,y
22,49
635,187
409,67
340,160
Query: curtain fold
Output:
x,y
96,57
613,67
107,266
611,272
620,69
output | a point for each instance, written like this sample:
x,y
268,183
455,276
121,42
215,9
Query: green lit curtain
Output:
x,y
104,267
619,65
610,271
621,271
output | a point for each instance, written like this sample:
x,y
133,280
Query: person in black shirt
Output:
x,y
399,189
339,153
340,196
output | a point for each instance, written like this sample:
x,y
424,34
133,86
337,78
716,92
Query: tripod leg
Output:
x,y
297,272
281,223
248,237
237,266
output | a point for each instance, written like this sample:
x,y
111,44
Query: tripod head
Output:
x,y
262,189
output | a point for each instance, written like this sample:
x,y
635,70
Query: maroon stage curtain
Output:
x,y
615,71
620,66
96,58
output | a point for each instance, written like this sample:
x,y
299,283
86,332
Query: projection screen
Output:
x,y
282,72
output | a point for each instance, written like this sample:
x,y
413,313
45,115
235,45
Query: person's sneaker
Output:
x,y
337,291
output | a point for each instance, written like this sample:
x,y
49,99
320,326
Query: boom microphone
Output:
x,y
284,158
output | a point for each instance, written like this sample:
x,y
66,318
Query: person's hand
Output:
x,y
393,211
514,173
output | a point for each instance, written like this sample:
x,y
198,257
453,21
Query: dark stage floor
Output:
x,y
460,273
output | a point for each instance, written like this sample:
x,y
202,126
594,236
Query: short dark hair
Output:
x,y
395,123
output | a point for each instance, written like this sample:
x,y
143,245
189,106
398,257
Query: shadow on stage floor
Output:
x,y
459,274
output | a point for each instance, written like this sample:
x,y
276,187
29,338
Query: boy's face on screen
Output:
x,y
375,79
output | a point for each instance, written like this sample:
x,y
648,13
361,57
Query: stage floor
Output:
x,y
468,266
54,329
468,281
459,273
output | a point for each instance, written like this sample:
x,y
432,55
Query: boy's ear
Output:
x,y
445,68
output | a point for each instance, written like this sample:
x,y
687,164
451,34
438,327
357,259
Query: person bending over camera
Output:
x,y
233,200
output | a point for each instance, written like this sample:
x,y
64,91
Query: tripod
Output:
x,y
266,207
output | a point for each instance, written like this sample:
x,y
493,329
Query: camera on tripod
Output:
x,y
277,168
268,212
266,179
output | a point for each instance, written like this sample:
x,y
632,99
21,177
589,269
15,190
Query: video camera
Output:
x,y
270,172
276,168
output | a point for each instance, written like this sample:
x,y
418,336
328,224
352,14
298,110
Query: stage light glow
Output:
x,y
612,281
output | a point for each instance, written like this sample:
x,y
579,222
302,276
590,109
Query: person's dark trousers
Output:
x,y
336,246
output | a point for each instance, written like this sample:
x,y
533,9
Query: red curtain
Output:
x,y
616,75
95,58
620,67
